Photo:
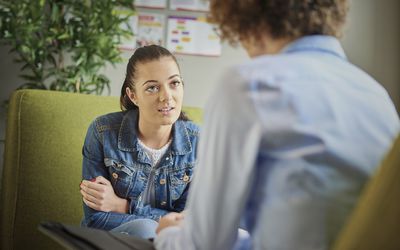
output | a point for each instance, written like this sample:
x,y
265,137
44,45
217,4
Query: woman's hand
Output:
x,y
98,194
169,220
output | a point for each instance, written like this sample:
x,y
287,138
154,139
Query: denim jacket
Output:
x,y
111,150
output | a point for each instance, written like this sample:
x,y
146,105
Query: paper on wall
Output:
x,y
192,35
129,43
158,4
150,29
191,5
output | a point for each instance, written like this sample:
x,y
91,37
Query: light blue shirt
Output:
x,y
288,143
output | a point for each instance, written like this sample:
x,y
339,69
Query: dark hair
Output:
x,y
142,55
280,18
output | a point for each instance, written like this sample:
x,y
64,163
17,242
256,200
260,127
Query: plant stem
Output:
x,y
77,85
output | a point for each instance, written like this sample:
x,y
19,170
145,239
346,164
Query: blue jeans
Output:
x,y
142,228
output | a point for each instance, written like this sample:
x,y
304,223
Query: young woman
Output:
x,y
138,163
289,139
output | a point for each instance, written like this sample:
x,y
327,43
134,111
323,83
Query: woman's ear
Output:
x,y
132,96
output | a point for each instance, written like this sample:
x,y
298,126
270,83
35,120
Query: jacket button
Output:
x,y
115,175
162,181
185,178
163,203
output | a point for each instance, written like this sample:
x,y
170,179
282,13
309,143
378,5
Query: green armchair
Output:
x,y
42,162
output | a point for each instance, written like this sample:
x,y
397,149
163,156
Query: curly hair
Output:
x,y
280,18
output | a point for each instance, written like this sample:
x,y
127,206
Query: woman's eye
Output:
x,y
152,89
175,83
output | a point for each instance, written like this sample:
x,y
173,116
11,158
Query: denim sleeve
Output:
x,y
93,156
92,166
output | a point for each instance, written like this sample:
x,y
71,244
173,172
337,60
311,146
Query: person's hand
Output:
x,y
169,220
98,194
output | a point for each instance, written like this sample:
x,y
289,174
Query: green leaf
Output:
x,y
63,36
54,12
25,49
32,85
30,77
26,66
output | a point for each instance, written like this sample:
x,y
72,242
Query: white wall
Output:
x,y
372,41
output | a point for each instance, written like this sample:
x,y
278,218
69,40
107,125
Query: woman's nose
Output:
x,y
165,95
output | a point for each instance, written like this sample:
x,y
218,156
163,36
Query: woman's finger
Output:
x,y
92,185
89,197
90,204
100,179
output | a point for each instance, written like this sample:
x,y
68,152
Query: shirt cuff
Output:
x,y
168,238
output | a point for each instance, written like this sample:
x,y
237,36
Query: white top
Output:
x,y
155,156
287,144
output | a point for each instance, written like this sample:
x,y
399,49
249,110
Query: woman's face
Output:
x,y
158,92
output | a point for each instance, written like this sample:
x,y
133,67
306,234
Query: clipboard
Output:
x,y
83,238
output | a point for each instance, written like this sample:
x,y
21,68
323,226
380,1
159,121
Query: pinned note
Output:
x,y
193,36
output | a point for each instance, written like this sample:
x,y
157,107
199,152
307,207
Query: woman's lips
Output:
x,y
166,110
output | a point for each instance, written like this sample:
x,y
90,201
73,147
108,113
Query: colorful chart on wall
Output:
x,y
191,5
192,35
150,29
157,4
129,43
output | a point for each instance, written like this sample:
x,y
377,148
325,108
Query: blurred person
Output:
x,y
290,137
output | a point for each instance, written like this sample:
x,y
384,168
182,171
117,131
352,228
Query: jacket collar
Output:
x,y
321,43
128,134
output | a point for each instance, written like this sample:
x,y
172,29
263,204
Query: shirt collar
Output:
x,y
320,43
128,134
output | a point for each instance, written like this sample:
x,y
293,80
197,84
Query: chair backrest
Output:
x,y
42,162
375,222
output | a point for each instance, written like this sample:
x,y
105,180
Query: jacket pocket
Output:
x,y
179,180
121,176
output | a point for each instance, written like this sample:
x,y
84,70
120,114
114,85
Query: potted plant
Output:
x,y
63,44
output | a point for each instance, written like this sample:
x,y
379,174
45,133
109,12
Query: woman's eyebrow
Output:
x,y
148,81
155,81
169,78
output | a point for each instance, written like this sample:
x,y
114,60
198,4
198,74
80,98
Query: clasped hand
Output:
x,y
99,194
